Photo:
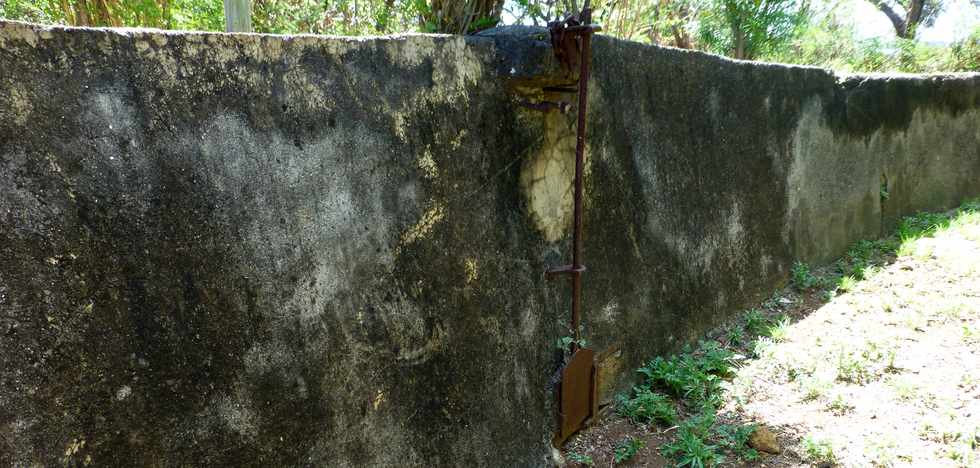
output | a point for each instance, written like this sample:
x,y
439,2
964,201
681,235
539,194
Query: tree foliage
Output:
x,y
832,41
664,22
460,17
346,17
746,29
776,30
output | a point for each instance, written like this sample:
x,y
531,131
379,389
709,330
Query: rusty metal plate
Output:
x,y
577,393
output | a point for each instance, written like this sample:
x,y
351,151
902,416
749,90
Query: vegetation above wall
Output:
x,y
792,31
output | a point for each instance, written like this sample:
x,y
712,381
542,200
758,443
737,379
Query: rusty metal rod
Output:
x,y
562,32
585,36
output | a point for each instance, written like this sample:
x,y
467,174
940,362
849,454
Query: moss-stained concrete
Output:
x,y
270,250
250,250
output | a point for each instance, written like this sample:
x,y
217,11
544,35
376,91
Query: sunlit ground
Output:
x,y
887,373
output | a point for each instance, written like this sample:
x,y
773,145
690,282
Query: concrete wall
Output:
x,y
266,250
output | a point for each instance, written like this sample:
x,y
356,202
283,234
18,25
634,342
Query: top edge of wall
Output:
x,y
841,75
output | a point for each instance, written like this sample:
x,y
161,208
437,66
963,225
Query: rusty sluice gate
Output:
x,y
571,39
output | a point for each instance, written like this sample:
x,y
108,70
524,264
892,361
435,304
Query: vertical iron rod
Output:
x,y
583,85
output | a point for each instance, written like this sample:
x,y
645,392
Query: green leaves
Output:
x,y
691,448
746,29
647,406
627,449
693,376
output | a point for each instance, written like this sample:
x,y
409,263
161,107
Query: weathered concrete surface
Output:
x,y
264,250
252,250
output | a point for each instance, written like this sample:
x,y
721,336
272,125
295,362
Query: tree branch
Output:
x,y
914,16
897,21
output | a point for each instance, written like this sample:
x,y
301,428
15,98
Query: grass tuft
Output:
x,y
627,449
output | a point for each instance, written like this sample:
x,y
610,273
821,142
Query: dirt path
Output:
x,y
872,362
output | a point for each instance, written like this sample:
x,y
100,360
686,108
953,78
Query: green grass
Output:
x,y
735,438
818,450
693,376
904,387
814,387
755,322
803,279
846,283
581,459
691,447
883,451
859,365
839,405
735,335
627,449
779,331
646,406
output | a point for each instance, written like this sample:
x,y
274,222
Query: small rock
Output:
x,y
763,440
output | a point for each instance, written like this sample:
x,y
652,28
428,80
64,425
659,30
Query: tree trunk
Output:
x,y
681,38
460,16
900,24
81,14
913,17
238,16
738,43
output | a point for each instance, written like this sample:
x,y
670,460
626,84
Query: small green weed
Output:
x,y
690,448
627,449
904,387
827,295
647,406
814,387
779,331
846,283
883,450
964,447
818,450
735,335
763,347
565,342
921,225
851,367
860,366
736,438
803,279
696,377
755,322
580,459
839,405
971,335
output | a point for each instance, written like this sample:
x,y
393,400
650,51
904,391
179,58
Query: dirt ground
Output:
x,y
880,371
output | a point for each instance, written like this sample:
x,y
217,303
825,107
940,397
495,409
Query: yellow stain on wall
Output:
x,y
424,226
472,270
427,164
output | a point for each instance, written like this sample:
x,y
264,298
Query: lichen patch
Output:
x,y
547,179
424,226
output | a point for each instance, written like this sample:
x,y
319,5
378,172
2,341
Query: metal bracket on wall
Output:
x,y
571,39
